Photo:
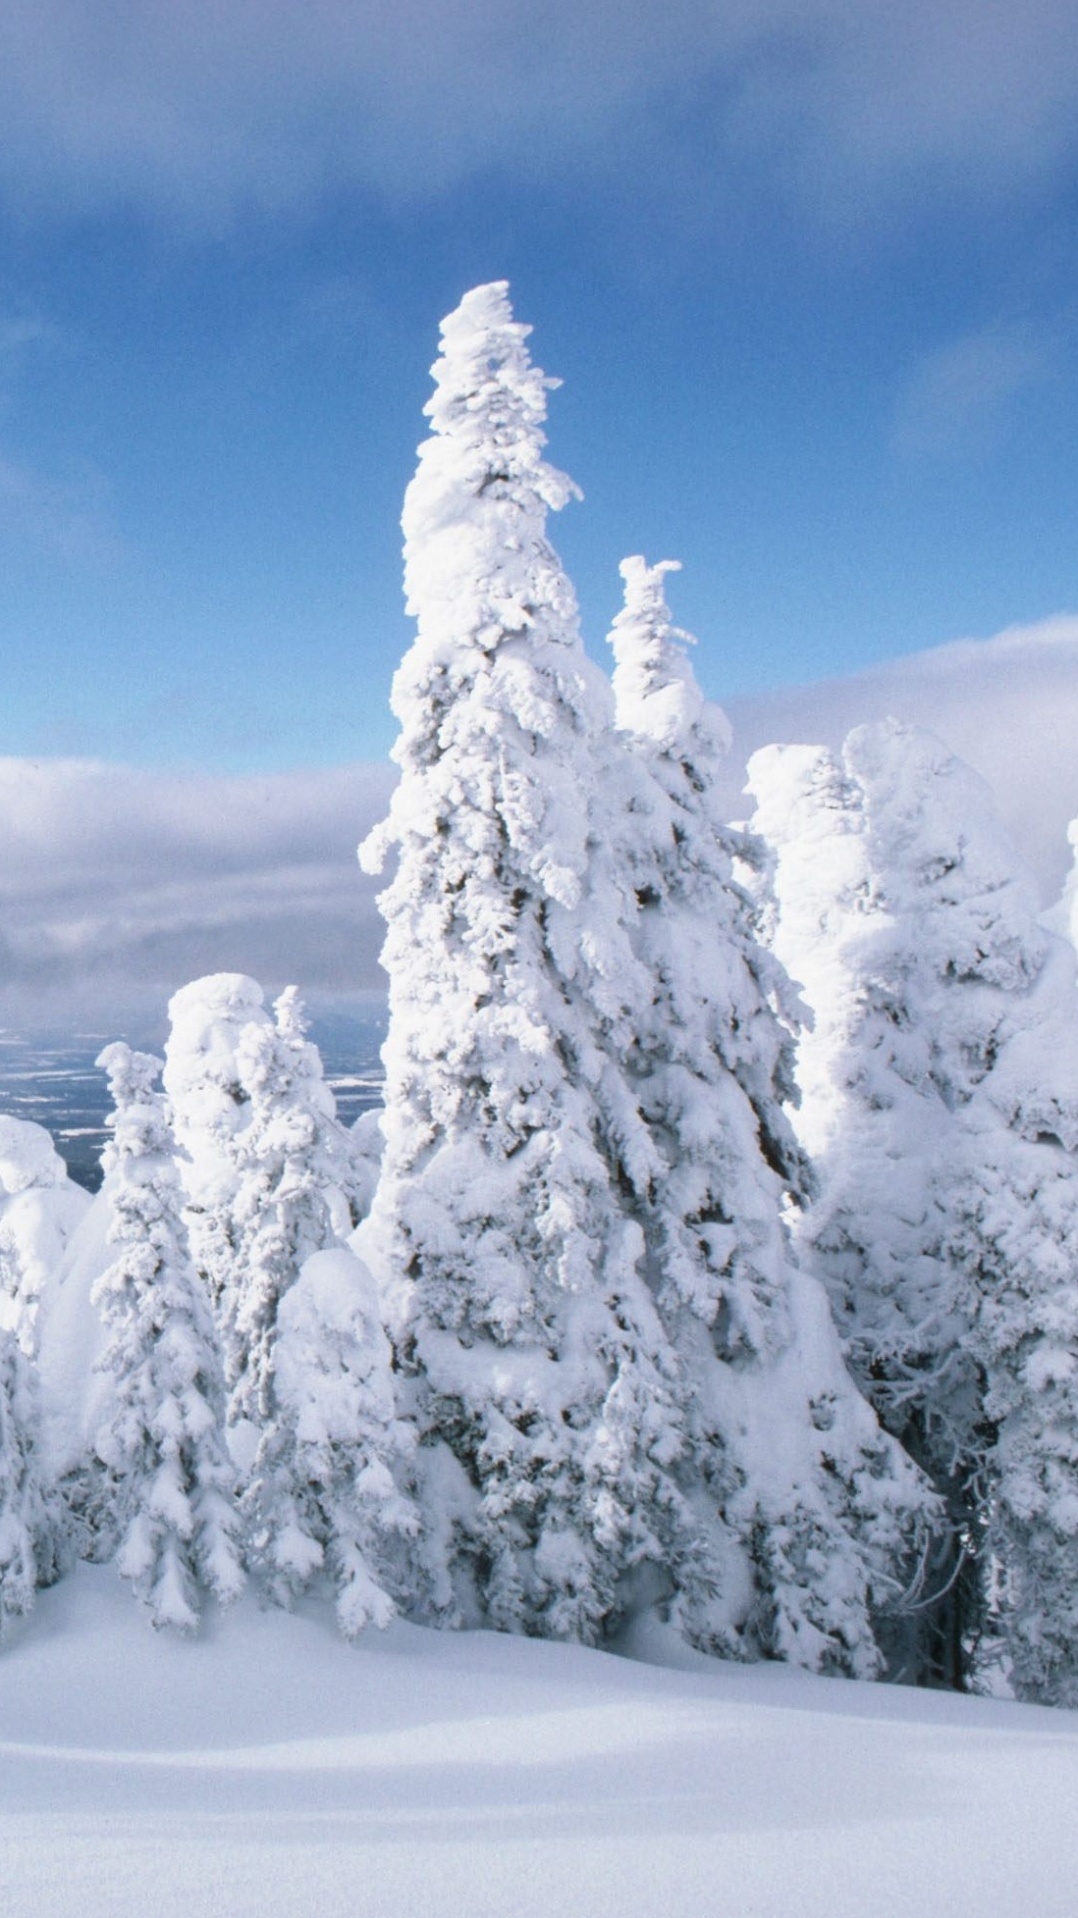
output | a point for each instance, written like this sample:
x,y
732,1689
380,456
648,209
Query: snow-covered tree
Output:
x,y
24,1527
940,1101
171,1482
535,1363
818,1508
292,1164
40,1207
230,1065
210,1109
1013,1243
322,1500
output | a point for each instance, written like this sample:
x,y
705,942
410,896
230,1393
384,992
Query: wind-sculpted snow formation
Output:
x,y
661,1306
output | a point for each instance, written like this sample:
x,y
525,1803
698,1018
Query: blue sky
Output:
x,y
807,268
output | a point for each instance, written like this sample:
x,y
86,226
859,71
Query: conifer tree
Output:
x,y
290,1163
40,1207
211,1107
24,1526
322,1500
820,1523
543,1385
1013,1245
939,1100
170,1476
230,1068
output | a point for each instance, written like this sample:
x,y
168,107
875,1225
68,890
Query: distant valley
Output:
x,y
51,1079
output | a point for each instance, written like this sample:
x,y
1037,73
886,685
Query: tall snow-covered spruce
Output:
x,y
535,1363
291,1171
268,1170
170,1478
817,1508
939,1097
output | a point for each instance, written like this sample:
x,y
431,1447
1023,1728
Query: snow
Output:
x,y
268,1770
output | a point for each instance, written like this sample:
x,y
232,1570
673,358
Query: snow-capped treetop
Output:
x,y
498,641
897,872
293,1056
208,1101
40,1207
28,1157
138,1121
489,399
655,689
713,991
934,826
211,1107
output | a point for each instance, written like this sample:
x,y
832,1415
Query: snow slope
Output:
x,y
269,1769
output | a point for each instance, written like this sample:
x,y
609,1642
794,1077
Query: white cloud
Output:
x,y
220,102
1007,705
117,885
957,399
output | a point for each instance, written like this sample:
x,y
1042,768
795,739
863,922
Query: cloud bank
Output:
x,y
219,104
117,885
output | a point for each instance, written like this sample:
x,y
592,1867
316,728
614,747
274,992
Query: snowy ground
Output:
x,y
269,1769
